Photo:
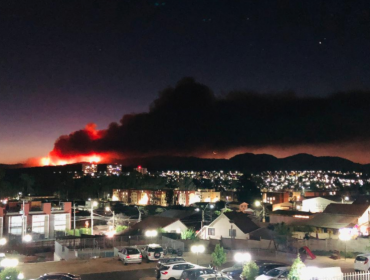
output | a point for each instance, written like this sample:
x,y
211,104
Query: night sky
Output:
x,y
66,64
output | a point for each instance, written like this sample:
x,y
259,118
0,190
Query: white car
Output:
x,y
276,273
152,252
130,255
173,271
362,262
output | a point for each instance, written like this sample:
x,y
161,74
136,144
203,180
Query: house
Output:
x,y
154,222
336,216
315,204
229,224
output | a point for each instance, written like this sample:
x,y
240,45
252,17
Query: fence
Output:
x,y
172,243
345,276
104,242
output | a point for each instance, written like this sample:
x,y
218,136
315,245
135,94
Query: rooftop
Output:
x,y
242,221
346,209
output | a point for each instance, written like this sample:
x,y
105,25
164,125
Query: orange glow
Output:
x,y
45,161
95,159
55,159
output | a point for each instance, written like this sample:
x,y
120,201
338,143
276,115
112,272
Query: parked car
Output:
x,y
168,260
234,271
214,277
130,255
264,266
173,271
362,262
276,273
59,276
194,273
162,266
152,252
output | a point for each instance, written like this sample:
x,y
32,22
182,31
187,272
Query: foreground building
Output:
x,y
42,220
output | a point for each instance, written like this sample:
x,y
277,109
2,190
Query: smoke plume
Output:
x,y
189,119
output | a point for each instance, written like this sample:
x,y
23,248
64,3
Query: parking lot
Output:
x,y
94,269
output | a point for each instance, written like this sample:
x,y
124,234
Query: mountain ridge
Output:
x,y
247,161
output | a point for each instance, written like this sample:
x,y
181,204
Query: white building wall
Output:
x,y
364,219
175,227
315,205
222,227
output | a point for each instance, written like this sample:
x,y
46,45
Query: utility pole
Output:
x,y
24,224
201,226
113,220
92,218
74,219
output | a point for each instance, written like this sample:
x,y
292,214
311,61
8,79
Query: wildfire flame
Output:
x,y
56,157
54,160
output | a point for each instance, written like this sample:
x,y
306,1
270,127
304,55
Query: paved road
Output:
x,y
119,275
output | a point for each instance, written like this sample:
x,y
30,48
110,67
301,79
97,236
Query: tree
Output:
x,y
283,233
296,269
28,183
10,273
188,234
250,271
218,256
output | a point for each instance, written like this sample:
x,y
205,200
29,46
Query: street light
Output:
x,y
108,209
151,233
27,238
198,249
203,210
345,234
259,204
242,257
93,204
9,263
3,241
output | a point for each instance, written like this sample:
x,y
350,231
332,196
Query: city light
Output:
x,y
257,203
242,257
107,209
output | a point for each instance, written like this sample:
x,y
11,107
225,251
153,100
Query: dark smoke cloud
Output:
x,y
190,119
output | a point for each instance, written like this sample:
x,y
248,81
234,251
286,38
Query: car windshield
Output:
x,y
361,258
273,272
132,251
157,249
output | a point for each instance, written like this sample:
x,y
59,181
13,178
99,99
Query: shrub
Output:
x,y
296,269
188,234
250,271
85,231
10,273
218,256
